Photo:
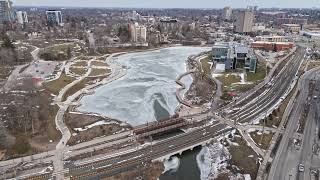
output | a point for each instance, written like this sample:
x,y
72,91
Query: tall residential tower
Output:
x,y
244,22
54,17
227,12
6,11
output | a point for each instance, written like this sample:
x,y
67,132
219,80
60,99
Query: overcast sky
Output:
x,y
171,3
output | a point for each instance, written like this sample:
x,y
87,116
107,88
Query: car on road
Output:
x,y
301,167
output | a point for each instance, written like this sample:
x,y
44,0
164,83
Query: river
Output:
x,y
147,92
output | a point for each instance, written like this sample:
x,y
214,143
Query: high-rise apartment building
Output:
x,y
227,12
6,11
22,17
54,17
244,22
138,32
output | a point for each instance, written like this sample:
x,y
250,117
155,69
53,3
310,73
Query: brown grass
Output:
x,y
99,72
55,86
240,158
262,140
99,63
78,71
74,89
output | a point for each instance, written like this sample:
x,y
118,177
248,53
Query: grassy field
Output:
x,y
243,87
74,89
78,71
98,72
229,79
206,66
262,140
52,131
80,63
55,86
259,75
60,47
98,63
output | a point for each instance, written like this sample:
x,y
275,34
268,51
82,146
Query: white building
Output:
x,y
54,17
6,11
138,33
91,39
227,12
22,17
244,22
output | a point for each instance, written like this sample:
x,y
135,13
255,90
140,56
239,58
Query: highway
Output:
x,y
287,158
273,94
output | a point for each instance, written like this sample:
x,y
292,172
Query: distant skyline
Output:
x,y
171,3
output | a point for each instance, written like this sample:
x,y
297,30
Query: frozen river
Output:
x,y
147,92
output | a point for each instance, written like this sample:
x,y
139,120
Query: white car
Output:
x,y
301,167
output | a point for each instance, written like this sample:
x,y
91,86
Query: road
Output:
x,y
274,93
279,168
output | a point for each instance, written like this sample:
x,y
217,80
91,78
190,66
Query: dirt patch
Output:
x,y
83,121
201,90
262,140
243,158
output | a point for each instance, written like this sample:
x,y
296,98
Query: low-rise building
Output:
x,y
233,56
272,46
271,38
291,28
281,21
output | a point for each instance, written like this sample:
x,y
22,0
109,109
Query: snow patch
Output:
x,y
98,123
171,165
211,160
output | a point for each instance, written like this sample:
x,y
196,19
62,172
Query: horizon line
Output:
x,y
106,7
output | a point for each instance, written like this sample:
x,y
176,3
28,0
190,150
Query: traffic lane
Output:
x,y
154,154
283,76
158,145
309,135
278,166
